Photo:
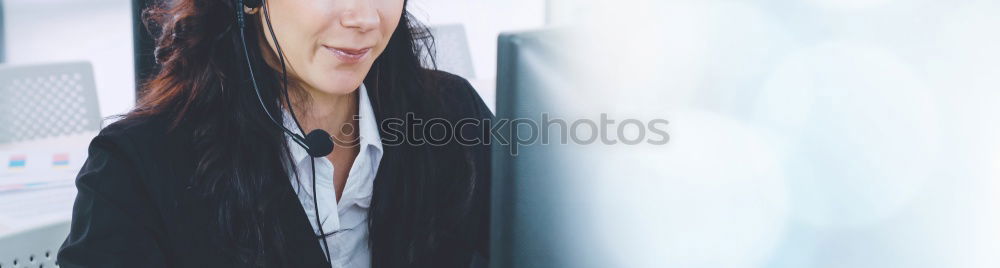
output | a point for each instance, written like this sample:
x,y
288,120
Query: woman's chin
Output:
x,y
339,86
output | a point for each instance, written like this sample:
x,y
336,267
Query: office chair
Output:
x,y
36,247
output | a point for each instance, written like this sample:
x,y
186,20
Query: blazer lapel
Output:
x,y
302,246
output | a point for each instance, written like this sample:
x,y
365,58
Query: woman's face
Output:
x,y
329,45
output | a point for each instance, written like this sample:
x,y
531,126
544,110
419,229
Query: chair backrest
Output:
x,y
452,50
47,100
33,248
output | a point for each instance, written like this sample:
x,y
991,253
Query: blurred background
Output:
x,y
805,133
809,133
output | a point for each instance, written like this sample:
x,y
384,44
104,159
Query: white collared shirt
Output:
x,y
349,246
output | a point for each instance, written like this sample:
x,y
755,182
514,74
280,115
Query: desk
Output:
x,y
36,197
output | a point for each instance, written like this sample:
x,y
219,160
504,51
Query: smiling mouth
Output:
x,y
349,55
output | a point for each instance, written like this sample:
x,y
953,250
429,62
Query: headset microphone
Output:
x,y
319,143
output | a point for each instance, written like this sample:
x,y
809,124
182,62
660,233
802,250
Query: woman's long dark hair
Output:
x,y
201,86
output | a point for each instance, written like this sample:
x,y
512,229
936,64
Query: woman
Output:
x,y
208,169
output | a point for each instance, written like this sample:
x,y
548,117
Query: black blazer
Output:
x,y
135,207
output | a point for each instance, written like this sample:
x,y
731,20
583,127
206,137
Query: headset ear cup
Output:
x,y
251,4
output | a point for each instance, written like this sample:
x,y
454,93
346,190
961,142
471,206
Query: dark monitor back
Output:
x,y
533,210
3,35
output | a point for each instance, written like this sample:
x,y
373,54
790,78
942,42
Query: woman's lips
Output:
x,y
348,55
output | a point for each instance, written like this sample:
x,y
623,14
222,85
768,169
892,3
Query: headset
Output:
x,y
318,142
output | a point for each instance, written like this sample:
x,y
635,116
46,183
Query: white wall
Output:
x,y
98,31
483,20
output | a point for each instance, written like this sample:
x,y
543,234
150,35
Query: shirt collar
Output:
x,y
369,134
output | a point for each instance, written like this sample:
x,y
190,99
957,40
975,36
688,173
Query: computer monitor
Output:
x,y
534,203
143,45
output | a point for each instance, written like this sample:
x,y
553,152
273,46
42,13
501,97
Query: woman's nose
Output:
x,y
360,14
